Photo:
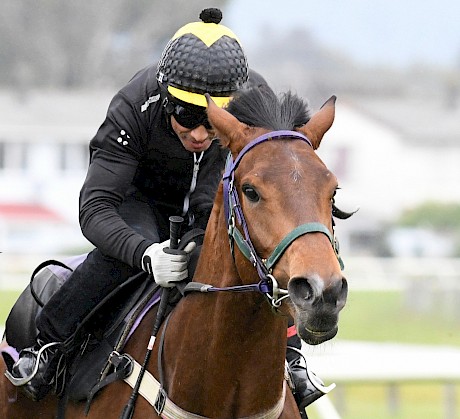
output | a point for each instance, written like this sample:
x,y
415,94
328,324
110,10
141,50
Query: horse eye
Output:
x,y
250,193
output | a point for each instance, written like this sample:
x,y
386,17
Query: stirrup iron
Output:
x,y
18,382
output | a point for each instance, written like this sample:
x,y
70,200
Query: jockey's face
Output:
x,y
193,139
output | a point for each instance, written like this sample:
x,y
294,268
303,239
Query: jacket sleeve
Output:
x,y
115,152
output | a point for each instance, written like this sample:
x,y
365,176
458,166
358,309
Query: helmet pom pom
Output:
x,y
211,15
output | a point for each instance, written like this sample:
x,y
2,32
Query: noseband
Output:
x,y
234,213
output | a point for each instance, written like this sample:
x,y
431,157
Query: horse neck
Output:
x,y
241,315
238,344
236,319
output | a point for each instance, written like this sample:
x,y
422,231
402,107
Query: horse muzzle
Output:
x,y
316,307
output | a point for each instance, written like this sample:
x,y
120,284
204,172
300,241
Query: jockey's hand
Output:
x,y
167,265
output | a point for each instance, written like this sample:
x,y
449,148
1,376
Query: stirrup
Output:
x,y
314,380
18,382
317,383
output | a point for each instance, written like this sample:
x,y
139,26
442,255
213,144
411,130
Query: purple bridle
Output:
x,y
230,167
234,214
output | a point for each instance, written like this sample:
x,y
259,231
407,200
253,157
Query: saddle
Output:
x,y
94,354
46,279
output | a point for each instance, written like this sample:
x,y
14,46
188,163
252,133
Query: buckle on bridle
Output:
x,y
274,297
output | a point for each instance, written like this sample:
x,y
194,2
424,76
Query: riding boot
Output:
x,y
306,386
35,370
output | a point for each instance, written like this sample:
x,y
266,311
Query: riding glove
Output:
x,y
167,265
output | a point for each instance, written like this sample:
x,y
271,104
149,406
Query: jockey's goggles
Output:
x,y
190,116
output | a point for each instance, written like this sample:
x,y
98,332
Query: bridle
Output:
x,y
234,214
267,285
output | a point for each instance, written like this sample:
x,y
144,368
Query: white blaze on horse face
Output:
x,y
296,172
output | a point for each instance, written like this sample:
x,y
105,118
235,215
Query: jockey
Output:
x,y
153,156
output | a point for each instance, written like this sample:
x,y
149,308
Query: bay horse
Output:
x,y
222,354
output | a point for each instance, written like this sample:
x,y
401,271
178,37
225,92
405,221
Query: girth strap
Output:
x,y
150,387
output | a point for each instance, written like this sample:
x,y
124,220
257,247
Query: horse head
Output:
x,y
286,196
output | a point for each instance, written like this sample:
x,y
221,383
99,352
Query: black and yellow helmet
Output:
x,y
203,57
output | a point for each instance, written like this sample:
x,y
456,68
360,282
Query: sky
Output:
x,y
372,32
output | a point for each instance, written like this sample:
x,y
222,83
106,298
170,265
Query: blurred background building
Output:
x,y
394,146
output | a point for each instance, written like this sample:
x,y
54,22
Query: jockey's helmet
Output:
x,y
203,57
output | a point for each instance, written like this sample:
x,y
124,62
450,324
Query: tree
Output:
x,y
73,43
438,216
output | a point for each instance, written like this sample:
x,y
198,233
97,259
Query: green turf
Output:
x,y
421,401
383,317
7,299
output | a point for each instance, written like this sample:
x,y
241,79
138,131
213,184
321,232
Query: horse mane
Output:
x,y
261,107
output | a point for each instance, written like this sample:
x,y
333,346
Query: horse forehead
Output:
x,y
291,157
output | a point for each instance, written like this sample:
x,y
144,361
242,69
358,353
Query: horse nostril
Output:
x,y
344,287
308,291
342,297
334,294
301,291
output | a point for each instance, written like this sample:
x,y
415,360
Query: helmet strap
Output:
x,y
168,111
169,106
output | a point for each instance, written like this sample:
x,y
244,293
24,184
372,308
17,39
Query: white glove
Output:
x,y
166,265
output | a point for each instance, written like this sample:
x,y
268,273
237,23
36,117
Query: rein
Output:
x,y
234,214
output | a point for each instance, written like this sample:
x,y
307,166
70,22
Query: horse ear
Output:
x,y
230,130
320,122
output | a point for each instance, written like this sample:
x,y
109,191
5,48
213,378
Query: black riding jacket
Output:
x,y
134,150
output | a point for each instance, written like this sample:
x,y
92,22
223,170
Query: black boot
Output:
x,y
307,387
34,372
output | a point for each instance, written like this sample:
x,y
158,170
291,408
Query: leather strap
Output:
x,y
150,388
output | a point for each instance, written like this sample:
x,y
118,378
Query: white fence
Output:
x,y
397,273
16,269
391,364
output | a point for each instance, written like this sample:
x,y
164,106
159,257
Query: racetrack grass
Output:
x,y
7,300
369,401
382,316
